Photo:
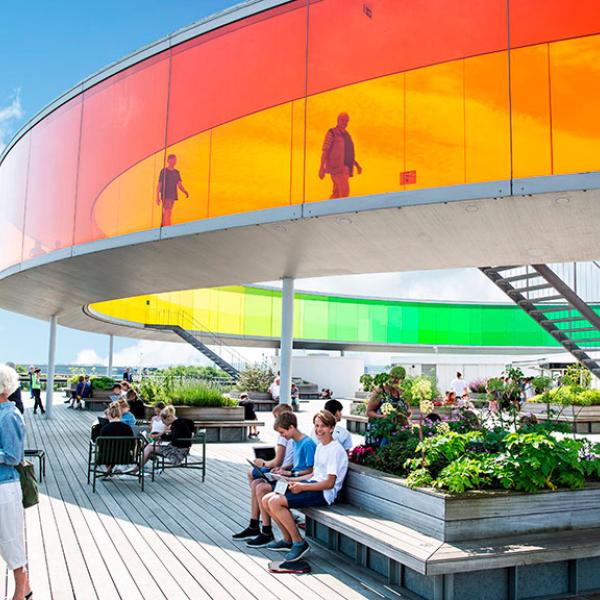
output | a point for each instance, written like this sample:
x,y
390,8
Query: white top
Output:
x,y
157,425
275,391
288,457
458,387
330,460
341,434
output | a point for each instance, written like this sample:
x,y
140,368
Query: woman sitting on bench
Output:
x,y
320,488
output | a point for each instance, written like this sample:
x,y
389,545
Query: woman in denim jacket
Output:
x,y
12,517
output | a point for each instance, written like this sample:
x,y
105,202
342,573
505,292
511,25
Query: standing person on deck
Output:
x,y
12,514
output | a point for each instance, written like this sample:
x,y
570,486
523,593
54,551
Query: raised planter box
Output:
x,y
476,546
362,395
583,419
356,424
473,515
202,413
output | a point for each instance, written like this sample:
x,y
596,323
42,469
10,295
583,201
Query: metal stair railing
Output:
x,y
548,294
200,337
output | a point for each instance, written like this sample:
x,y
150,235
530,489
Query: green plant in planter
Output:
x,y
256,378
199,394
541,384
577,376
366,381
359,409
380,379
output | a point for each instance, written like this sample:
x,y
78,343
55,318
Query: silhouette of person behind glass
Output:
x,y
169,181
338,158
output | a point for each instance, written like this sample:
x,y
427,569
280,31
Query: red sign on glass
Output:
x,y
408,177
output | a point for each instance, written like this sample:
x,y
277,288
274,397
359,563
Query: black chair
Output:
x,y
109,451
198,438
41,456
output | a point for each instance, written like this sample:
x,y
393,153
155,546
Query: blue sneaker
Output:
x,y
279,546
299,549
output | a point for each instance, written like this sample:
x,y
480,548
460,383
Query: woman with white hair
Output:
x,y
12,515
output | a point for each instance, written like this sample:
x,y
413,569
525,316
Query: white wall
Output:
x,y
340,374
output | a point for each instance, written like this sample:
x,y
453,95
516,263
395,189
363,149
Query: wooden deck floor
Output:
x,y
172,541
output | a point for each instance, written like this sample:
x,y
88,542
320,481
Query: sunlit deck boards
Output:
x,y
172,541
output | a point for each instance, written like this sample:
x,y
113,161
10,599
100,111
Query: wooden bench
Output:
x,y
227,431
544,564
356,423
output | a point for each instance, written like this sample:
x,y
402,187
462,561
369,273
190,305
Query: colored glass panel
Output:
x,y
237,70
13,189
530,101
124,121
50,209
575,93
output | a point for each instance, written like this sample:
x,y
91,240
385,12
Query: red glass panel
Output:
x,y
13,186
49,213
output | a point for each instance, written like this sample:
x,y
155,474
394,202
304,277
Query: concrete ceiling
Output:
x,y
551,227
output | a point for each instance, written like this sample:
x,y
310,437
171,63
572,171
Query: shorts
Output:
x,y
172,454
305,499
12,518
258,470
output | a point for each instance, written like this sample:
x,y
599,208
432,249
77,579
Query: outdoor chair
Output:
x,y
109,451
41,456
190,462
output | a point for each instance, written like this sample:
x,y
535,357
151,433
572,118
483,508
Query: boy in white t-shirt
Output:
x,y
340,433
319,488
284,459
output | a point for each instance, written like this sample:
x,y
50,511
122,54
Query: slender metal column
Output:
x,y
51,362
287,333
111,348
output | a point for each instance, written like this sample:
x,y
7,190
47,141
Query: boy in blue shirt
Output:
x,y
304,459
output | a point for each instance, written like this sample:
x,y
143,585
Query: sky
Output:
x,y
46,48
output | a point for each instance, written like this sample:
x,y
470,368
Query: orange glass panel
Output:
x,y
535,21
487,123
376,127
13,188
435,125
124,121
49,213
251,163
530,97
353,40
237,70
575,91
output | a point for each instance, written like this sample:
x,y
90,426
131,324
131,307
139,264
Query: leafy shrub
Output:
x,y
366,381
256,378
359,409
208,373
569,395
99,382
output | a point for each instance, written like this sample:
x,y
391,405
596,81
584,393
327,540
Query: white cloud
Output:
x,y
8,115
455,285
89,357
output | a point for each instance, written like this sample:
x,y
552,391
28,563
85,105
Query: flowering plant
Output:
x,y
387,409
360,454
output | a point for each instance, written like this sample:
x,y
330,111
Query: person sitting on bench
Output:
x,y
136,406
178,432
284,459
340,433
126,415
304,457
157,427
320,488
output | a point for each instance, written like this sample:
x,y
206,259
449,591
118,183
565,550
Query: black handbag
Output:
x,y
29,486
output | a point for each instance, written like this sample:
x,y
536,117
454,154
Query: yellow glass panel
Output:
x,y
487,123
193,157
251,162
123,206
530,97
376,125
575,89
435,131
231,306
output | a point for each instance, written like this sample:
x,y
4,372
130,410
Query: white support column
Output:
x,y
51,363
111,348
287,338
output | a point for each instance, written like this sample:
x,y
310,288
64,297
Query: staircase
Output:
x,y
198,336
548,295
